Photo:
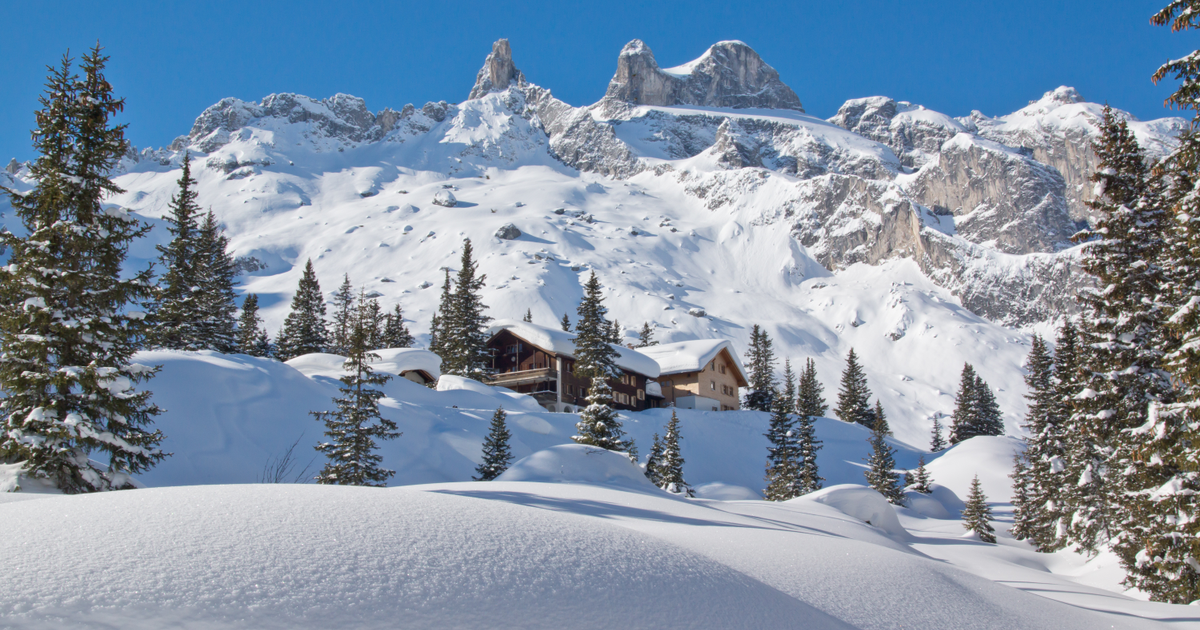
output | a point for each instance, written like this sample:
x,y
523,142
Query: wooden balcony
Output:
x,y
524,377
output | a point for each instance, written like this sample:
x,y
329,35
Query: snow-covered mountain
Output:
x,y
702,195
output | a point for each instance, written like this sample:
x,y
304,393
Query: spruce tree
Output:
x,y
395,333
783,471
812,394
760,362
355,426
528,316
919,480
375,321
788,393
880,473
646,337
598,422
304,329
1041,518
1022,499
877,416
991,420
936,441
344,314
70,387
252,338
654,461
671,462
464,326
496,453
966,421
807,445
178,312
1122,325
216,277
614,332
441,320
1161,537
566,322
593,353
977,515
854,397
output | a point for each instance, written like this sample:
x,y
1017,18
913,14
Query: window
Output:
x,y
641,394
721,369
712,385
513,349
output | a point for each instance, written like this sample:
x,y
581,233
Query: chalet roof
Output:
x,y
391,361
563,343
692,356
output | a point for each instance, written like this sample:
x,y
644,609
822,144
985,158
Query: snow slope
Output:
x,y
576,550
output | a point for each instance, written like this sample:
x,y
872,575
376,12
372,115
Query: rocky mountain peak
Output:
x,y
1062,95
498,72
728,74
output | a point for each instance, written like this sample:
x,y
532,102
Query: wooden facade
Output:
x,y
550,377
718,381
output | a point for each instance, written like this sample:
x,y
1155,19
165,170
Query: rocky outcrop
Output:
x,y
498,72
916,134
729,74
998,196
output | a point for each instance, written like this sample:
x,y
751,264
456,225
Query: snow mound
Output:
x,y
391,361
941,502
577,463
726,492
990,457
862,503
271,556
503,396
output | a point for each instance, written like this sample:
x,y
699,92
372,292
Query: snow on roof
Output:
x,y
391,361
561,342
691,356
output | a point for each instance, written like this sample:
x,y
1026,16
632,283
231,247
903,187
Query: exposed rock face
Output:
x,y
916,134
13,167
498,72
729,74
998,196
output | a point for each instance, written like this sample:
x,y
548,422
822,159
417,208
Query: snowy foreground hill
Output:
x,y
569,537
702,195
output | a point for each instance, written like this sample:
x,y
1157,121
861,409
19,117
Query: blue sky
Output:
x,y
172,59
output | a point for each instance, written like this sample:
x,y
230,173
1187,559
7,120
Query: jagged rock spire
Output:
x,y
728,74
498,72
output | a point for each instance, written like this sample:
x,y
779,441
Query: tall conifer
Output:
x,y
496,453
670,466
304,330
880,473
216,277
760,362
252,338
854,397
811,400
178,313
783,470
395,333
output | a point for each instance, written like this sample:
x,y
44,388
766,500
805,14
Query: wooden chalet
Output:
x,y
701,374
540,362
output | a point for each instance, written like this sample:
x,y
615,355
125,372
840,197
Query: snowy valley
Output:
x,y
706,201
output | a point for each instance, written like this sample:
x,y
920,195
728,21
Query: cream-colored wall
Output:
x,y
698,383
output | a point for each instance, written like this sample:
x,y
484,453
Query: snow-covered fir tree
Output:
x,y
936,441
646,337
918,479
1160,542
977,515
598,423
760,362
670,461
1122,326
881,466
615,332
991,420
217,277
1041,518
342,320
788,391
66,325
1021,498
565,323
304,329
879,417
395,333
653,460
437,324
854,397
594,355
528,316
177,312
464,326
355,427
783,471
496,453
805,437
375,321
811,399
966,419
252,337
